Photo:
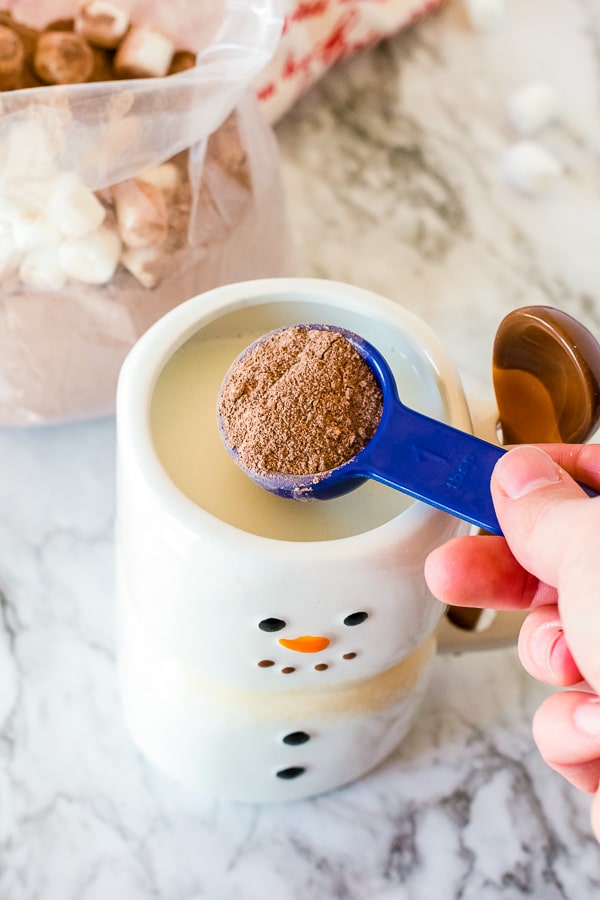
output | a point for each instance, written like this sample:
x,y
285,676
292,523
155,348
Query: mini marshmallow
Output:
x,y
146,264
91,259
102,23
25,153
531,169
41,268
533,107
165,177
485,15
12,204
10,256
120,103
25,196
73,207
32,230
145,52
62,57
22,201
141,213
121,136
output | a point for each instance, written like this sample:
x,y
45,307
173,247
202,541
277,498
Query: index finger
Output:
x,y
481,571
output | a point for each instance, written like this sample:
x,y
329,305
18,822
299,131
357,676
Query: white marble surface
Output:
x,y
393,167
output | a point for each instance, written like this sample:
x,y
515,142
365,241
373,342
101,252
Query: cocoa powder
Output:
x,y
301,402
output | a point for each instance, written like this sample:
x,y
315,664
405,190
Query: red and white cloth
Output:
x,y
318,33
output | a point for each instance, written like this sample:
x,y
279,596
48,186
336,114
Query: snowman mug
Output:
x,y
271,650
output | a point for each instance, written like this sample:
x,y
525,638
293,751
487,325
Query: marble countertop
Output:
x,y
393,166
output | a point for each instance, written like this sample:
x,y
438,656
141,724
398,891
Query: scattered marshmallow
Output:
x,y
533,107
144,52
73,207
93,258
165,176
62,57
486,15
102,23
146,264
41,268
141,213
531,169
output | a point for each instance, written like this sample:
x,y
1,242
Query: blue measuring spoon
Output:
x,y
424,458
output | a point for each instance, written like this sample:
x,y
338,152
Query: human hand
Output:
x,y
548,562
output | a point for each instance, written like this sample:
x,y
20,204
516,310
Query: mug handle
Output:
x,y
463,629
467,628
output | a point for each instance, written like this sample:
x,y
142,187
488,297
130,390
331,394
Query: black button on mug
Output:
x,y
292,772
294,738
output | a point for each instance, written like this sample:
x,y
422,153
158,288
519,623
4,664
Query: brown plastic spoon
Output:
x,y
546,372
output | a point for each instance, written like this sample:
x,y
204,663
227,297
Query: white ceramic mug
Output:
x,y
266,654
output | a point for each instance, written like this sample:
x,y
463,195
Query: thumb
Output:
x,y
553,530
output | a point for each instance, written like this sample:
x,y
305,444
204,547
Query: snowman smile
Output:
x,y
306,643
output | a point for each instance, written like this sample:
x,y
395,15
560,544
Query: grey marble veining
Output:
x,y
412,136
393,171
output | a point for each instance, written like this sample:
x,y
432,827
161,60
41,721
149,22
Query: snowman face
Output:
x,y
299,652
293,640
254,624
302,645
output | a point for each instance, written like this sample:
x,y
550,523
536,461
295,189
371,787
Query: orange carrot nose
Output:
x,y
308,643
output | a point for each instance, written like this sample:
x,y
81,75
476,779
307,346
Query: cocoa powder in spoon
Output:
x,y
302,402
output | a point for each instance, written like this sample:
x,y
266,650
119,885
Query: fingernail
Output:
x,y
523,470
586,717
547,647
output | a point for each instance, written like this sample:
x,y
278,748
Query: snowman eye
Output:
x,y
271,624
356,618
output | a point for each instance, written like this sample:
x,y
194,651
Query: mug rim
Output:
x,y
158,344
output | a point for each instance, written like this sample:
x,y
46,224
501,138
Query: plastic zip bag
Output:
x,y
213,214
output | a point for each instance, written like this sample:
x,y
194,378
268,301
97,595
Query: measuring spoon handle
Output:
x,y
436,463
